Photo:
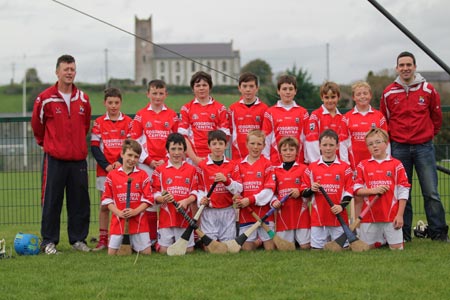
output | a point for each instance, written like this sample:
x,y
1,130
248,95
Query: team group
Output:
x,y
282,158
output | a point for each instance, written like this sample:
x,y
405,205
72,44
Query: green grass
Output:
x,y
418,272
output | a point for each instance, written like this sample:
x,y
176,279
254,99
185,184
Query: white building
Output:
x,y
153,62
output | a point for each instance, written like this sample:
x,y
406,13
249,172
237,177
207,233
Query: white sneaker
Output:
x,y
81,246
50,249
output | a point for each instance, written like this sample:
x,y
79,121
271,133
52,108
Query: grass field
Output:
x,y
418,272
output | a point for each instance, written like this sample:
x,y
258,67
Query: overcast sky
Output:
x,y
284,33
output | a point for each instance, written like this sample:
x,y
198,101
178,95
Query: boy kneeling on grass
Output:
x,y
115,196
385,176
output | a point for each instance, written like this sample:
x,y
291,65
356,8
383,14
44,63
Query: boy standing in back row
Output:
x,y
108,133
151,127
245,115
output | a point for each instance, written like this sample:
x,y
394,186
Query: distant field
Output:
x,y
132,101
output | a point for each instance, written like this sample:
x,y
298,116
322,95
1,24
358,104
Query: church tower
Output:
x,y
143,56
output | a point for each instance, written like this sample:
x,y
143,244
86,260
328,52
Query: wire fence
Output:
x,y
21,163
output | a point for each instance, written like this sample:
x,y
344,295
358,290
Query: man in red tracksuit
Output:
x,y
61,121
412,108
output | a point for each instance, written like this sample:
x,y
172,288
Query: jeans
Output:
x,y
422,157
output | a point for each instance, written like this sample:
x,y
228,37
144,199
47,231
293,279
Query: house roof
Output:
x,y
435,76
207,50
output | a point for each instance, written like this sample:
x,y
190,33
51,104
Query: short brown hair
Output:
x,y
286,79
112,92
157,84
217,135
132,145
248,77
200,75
330,86
66,58
290,141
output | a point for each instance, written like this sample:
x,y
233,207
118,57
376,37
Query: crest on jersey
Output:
x,y
169,181
81,109
148,124
122,132
297,180
312,126
258,174
373,126
338,178
166,124
213,116
297,120
389,174
258,119
58,110
136,186
194,117
421,101
396,101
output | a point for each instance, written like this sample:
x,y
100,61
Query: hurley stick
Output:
x,y
338,243
356,244
280,243
179,247
125,247
211,245
235,245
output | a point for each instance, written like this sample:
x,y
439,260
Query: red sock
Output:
x,y
103,236
153,224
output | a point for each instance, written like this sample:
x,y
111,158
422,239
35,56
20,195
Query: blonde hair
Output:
x,y
360,84
258,133
379,131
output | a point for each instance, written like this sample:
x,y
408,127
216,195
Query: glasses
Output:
x,y
377,142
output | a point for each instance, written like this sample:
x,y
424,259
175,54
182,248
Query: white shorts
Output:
x,y
258,233
321,235
138,241
302,235
380,232
168,236
100,183
219,223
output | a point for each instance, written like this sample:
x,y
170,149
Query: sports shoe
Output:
x,y
101,245
50,249
81,246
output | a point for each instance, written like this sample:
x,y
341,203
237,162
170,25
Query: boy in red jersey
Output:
x,y
201,115
258,185
180,180
245,115
151,127
114,197
356,123
293,218
385,176
108,133
286,118
325,117
218,217
335,176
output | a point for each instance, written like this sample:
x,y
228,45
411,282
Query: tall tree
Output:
x,y
261,68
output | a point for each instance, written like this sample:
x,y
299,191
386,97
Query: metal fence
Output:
x,y
21,162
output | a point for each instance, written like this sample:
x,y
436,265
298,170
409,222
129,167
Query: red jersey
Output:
x,y
294,214
280,122
60,132
373,173
197,120
180,183
243,119
258,184
109,135
222,195
116,193
413,113
320,120
336,179
151,130
354,127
